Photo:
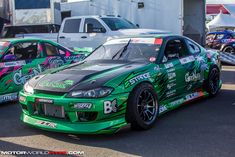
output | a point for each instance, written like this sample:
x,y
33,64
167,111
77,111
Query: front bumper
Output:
x,y
71,123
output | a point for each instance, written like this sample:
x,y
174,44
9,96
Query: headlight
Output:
x,y
94,93
28,88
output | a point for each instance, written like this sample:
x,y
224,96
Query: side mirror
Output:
x,y
137,25
9,57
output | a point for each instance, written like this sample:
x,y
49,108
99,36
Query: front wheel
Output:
x,y
212,84
230,50
142,107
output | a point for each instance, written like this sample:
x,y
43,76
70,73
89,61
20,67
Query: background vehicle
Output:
x,y
228,47
215,40
30,16
22,59
92,31
126,80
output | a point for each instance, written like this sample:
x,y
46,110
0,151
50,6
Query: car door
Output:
x,y
70,33
20,63
176,63
94,33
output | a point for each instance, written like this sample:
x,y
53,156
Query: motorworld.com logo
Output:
x,y
76,153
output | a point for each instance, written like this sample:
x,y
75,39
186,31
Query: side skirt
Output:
x,y
185,99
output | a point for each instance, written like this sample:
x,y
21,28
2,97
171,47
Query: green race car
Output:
x,y
130,80
22,59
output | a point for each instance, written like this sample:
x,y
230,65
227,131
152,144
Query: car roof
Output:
x,y
222,32
93,16
22,39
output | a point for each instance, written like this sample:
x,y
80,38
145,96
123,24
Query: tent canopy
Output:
x,y
222,21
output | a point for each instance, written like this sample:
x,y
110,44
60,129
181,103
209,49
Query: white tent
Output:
x,y
221,21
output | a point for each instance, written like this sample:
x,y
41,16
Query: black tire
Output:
x,y
142,107
211,84
229,49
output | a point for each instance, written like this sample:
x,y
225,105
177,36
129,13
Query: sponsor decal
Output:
x,y
157,68
187,60
170,70
83,106
41,100
171,85
55,62
134,40
138,78
60,85
162,109
69,82
192,96
171,75
192,77
8,97
20,79
171,93
176,102
12,64
110,106
45,123
169,65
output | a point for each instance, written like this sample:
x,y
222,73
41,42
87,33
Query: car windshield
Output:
x,y
118,23
135,49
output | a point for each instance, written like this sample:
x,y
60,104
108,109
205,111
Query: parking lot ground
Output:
x,y
205,128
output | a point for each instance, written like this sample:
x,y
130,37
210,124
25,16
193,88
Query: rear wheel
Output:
x,y
230,50
142,108
213,82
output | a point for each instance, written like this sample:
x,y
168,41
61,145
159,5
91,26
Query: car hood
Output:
x,y
140,31
83,76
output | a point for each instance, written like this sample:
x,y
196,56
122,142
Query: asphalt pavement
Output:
x,y
205,128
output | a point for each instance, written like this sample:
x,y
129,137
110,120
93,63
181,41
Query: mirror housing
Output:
x,y
137,25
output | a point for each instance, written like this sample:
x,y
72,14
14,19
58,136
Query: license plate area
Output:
x,y
53,110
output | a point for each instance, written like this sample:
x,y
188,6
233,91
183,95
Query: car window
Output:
x,y
51,50
22,51
118,23
72,26
96,26
135,49
193,48
219,36
210,37
175,49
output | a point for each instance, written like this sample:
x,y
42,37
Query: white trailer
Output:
x,y
35,12
184,17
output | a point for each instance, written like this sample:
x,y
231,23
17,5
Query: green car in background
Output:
x,y
130,80
22,59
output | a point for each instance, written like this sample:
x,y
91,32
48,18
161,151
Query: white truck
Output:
x,y
92,31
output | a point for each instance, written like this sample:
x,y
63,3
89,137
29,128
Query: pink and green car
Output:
x,y
22,59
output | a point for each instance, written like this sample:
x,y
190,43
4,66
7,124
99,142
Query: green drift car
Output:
x,y
22,59
130,80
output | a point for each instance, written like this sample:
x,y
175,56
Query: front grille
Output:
x,y
49,110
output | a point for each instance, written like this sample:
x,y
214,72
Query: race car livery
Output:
x,y
215,40
130,80
22,59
